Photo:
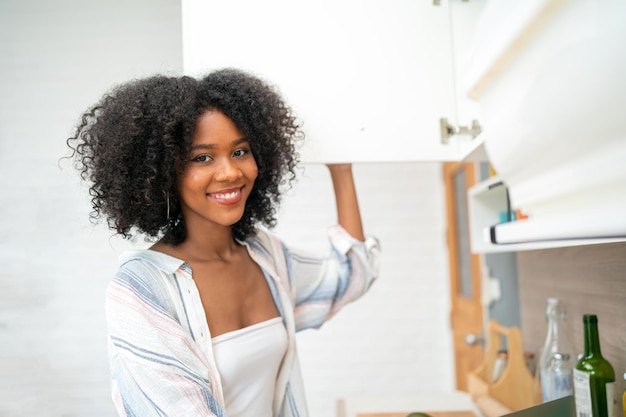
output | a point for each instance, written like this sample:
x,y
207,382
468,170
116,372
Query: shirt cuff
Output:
x,y
343,242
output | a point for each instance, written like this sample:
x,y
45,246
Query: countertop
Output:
x,y
437,404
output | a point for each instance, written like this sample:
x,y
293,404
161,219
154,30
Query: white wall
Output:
x,y
396,339
56,58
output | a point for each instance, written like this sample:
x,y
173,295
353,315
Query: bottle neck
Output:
x,y
554,324
592,340
555,315
556,329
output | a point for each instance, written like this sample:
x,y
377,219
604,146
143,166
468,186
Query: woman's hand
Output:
x,y
348,213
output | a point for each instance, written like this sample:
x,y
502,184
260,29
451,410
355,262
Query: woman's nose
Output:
x,y
227,171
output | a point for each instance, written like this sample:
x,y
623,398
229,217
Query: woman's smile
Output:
x,y
219,174
227,196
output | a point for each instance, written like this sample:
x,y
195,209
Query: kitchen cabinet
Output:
x,y
549,78
371,80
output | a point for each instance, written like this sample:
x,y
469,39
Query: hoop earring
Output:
x,y
167,198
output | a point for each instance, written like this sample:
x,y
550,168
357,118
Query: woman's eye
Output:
x,y
240,152
202,158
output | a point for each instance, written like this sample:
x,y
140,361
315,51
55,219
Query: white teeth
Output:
x,y
227,195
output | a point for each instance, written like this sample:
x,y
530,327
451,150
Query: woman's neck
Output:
x,y
217,244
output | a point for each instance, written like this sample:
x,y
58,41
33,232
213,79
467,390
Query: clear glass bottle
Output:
x,y
557,356
594,376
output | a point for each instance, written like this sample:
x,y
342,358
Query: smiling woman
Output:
x,y
218,177
134,144
203,322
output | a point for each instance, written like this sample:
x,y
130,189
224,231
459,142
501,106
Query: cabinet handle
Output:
x,y
472,340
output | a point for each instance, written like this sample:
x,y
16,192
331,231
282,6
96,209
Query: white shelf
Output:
x,y
538,245
487,203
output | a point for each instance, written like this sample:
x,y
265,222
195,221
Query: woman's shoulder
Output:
x,y
146,273
264,239
149,259
144,285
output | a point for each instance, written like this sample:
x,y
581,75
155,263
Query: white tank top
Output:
x,y
248,361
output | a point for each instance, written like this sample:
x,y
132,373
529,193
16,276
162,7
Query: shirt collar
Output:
x,y
166,263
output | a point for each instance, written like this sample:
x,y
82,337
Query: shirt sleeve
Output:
x,y
157,369
322,286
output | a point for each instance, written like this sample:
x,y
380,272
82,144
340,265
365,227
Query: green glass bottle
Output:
x,y
624,398
594,377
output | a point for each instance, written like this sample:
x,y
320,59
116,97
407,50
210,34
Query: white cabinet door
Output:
x,y
370,79
549,77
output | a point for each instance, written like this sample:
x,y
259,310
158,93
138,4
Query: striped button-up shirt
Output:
x,y
160,349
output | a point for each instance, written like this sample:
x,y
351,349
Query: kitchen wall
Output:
x,y
57,59
589,279
396,339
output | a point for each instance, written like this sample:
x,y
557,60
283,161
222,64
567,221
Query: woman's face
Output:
x,y
219,174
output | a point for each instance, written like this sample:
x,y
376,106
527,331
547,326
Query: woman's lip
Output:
x,y
230,196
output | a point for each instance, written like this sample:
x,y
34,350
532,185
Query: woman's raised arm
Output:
x,y
348,213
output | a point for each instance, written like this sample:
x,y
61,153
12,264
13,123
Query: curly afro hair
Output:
x,y
133,144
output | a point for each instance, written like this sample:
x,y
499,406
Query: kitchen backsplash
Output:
x,y
589,279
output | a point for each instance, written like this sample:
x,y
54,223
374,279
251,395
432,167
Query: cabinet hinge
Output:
x,y
448,130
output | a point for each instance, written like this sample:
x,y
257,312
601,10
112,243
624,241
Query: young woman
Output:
x,y
203,322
